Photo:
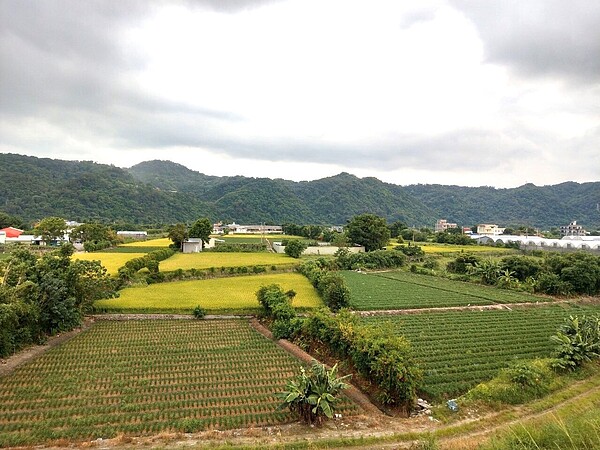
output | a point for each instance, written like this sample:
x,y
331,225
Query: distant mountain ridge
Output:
x,y
160,192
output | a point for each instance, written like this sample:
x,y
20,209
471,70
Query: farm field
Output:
x,y
230,294
160,242
112,261
459,349
206,260
147,377
253,238
449,248
405,290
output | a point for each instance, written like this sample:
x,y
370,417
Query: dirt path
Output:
x,y
352,392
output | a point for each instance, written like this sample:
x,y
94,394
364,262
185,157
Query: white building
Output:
x,y
487,229
572,230
442,225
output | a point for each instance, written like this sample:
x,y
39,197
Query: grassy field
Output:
x,y
404,290
147,377
235,294
206,260
112,261
459,349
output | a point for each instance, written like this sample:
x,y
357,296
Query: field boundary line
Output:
x,y
352,392
492,307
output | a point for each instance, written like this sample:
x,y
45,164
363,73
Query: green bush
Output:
x,y
377,353
295,247
199,312
518,384
378,259
462,263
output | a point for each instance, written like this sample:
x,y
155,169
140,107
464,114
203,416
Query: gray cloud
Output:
x,y
540,37
61,64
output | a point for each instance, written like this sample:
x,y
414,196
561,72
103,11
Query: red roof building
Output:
x,y
12,232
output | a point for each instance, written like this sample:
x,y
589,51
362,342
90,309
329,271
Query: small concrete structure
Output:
x,y
2,237
194,245
133,234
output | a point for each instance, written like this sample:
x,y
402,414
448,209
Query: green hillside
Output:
x,y
160,192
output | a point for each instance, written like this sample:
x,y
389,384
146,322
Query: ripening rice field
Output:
x,y
215,294
146,377
459,349
112,261
206,260
405,290
158,243
450,248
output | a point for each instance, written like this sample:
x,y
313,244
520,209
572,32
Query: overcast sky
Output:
x,y
496,93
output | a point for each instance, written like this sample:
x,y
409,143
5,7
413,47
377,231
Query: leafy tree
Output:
x,y
295,247
6,220
94,236
47,295
396,228
335,293
522,267
462,264
313,393
178,234
201,229
51,229
368,230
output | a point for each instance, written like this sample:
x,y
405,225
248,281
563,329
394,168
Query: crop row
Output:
x,y
403,290
147,377
475,291
459,349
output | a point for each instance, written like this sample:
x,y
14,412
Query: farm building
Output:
x,y
233,228
12,232
2,237
133,234
194,245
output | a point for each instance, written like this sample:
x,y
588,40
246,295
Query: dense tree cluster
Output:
x,y
46,295
576,273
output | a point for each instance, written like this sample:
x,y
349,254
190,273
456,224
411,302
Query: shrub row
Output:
x,y
149,261
244,247
330,285
90,246
557,274
379,355
277,306
378,259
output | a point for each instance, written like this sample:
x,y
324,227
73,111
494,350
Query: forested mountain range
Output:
x,y
161,192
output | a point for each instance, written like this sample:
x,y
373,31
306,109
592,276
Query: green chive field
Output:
x,y
223,295
147,377
459,349
405,290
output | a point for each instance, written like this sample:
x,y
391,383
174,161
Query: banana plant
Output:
x,y
313,393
